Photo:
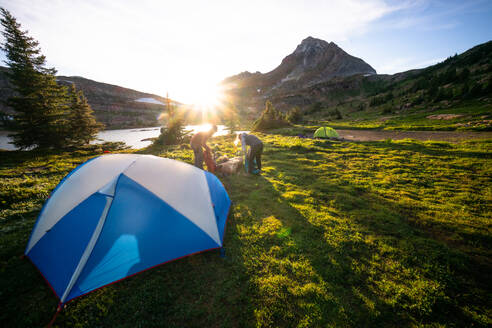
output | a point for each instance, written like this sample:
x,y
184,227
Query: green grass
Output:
x,y
332,234
475,117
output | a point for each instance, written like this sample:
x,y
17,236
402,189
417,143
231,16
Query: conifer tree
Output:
x,y
231,118
270,118
40,104
83,125
173,132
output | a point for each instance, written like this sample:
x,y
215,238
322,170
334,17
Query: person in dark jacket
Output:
x,y
198,142
254,152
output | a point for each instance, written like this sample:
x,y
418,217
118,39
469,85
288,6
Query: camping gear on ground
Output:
x,y
120,214
209,160
326,132
222,159
230,166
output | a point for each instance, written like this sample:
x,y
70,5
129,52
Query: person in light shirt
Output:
x,y
254,152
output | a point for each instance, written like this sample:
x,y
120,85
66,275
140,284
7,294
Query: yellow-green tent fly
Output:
x,y
326,132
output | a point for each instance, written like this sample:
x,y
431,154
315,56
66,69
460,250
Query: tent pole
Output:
x,y
89,248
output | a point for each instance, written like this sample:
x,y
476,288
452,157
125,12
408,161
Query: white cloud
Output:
x,y
183,46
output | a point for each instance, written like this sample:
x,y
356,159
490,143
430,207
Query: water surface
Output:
x,y
135,138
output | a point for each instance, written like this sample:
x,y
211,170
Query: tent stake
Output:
x,y
58,310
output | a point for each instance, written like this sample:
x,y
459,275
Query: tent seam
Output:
x,y
90,253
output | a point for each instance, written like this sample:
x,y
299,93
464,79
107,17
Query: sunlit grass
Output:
x,y
474,117
332,234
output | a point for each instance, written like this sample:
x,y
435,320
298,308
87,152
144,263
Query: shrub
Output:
x,y
173,133
314,108
387,110
336,114
270,118
294,115
230,118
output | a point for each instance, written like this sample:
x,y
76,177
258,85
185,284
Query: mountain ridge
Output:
x,y
115,106
247,90
313,61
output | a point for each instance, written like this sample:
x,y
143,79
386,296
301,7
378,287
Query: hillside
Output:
x,y
460,85
454,94
115,106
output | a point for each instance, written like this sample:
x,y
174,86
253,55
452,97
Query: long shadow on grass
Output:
x,y
203,290
433,149
333,253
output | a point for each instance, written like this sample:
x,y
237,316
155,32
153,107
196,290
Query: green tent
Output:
x,y
326,132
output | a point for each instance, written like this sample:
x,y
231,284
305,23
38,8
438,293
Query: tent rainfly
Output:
x,y
118,215
326,132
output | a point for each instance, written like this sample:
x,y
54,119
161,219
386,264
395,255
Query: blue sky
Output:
x,y
422,33
186,47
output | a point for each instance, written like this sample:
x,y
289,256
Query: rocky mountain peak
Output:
x,y
313,61
311,44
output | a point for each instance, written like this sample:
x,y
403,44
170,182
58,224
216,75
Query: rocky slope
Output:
x,y
314,61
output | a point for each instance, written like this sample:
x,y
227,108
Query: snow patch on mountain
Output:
x,y
150,101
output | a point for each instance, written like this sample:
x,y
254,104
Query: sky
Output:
x,y
185,48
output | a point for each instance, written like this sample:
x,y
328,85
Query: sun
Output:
x,y
206,96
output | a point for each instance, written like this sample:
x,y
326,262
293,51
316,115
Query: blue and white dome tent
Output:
x,y
118,215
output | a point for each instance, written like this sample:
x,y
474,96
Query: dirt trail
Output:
x,y
450,136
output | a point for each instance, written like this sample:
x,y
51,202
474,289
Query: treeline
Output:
x,y
453,76
478,55
464,76
451,84
333,113
379,100
46,114
458,78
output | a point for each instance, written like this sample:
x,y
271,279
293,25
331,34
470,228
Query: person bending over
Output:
x,y
198,142
254,152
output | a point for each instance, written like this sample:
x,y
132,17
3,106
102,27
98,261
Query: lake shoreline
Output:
x,y
139,138
134,138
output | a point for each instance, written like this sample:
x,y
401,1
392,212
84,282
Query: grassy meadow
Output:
x,y
467,116
332,234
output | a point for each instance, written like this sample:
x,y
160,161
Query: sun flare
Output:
x,y
206,96
203,127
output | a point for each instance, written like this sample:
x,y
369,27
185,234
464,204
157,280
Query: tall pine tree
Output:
x,y
83,125
40,104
